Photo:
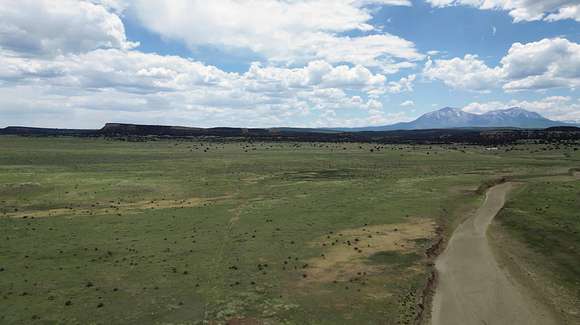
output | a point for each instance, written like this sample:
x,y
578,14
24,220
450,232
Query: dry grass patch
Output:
x,y
347,253
117,207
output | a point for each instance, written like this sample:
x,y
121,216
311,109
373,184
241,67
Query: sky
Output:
x,y
295,63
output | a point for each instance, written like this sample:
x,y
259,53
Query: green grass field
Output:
x,y
543,217
186,232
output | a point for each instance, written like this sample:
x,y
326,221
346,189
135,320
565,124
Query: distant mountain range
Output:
x,y
448,118
446,122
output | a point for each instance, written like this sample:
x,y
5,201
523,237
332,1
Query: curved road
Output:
x,y
472,288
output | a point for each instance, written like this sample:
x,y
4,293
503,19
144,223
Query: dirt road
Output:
x,y
472,288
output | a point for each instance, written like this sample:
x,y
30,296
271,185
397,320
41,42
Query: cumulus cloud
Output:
x,y
283,32
480,108
54,27
549,63
522,10
559,108
468,72
134,71
128,83
408,103
117,6
72,58
404,84
375,118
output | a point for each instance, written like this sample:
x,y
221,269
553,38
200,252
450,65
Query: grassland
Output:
x,y
540,232
100,231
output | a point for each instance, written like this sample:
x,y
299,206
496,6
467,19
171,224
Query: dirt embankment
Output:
x,y
472,288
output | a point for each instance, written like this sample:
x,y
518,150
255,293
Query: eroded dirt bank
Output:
x,y
472,288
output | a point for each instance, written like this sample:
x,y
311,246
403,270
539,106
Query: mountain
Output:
x,y
446,122
448,118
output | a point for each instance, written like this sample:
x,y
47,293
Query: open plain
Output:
x,y
244,232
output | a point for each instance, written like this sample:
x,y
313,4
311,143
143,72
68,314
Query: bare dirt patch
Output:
x,y
254,179
120,208
319,175
347,253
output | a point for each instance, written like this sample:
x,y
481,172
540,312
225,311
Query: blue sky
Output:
x,y
263,63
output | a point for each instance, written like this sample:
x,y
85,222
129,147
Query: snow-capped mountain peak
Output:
x,y
514,112
449,117
445,112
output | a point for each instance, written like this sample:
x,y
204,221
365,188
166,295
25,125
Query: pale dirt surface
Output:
x,y
116,207
343,261
472,288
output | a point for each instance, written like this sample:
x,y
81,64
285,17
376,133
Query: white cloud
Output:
x,y
375,118
404,84
53,27
522,10
344,76
73,59
68,63
480,108
381,118
374,105
117,6
549,63
129,83
463,73
569,12
111,68
408,103
283,32
560,108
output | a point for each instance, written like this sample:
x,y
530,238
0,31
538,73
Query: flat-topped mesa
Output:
x,y
122,129
136,129
24,130
442,133
574,129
